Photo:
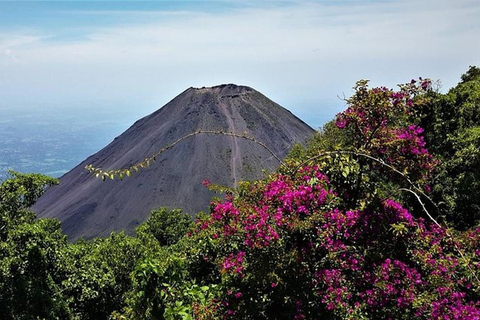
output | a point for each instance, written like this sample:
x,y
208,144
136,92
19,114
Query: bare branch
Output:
x,y
448,234
422,204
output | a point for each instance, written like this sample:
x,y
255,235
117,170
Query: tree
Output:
x,y
452,131
96,275
166,226
29,253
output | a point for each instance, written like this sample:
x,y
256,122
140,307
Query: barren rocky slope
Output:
x,y
89,207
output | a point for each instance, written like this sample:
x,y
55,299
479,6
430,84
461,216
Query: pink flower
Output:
x,y
341,123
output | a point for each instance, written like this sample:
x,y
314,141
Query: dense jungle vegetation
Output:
x,y
378,217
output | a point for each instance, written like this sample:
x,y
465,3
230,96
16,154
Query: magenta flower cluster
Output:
x,y
377,120
290,240
233,263
355,261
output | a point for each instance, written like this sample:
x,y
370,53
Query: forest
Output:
x,y
377,217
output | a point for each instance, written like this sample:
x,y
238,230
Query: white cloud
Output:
x,y
9,56
16,40
301,55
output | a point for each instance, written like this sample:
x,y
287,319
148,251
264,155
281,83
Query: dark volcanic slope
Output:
x,y
89,207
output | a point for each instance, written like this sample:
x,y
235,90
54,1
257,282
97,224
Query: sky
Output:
x,y
130,58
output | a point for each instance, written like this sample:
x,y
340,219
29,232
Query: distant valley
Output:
x,y
51,140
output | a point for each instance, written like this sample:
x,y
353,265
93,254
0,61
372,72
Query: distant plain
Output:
x,y
53,140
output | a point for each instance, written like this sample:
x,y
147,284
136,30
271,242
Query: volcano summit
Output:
x,y
89,207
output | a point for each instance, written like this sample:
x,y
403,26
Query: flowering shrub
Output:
x,y
377,121
287,245
291,247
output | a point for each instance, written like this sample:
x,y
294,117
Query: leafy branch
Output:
x,y
127,172
377,160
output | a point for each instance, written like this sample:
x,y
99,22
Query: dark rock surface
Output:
x,y
89,207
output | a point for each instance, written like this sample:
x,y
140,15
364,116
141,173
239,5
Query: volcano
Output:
x,y
89,207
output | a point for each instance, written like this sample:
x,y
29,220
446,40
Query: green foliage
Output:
x,y
43,276
166,226
96,275
29,253
18,193
163,289
296,151
452,126
473,73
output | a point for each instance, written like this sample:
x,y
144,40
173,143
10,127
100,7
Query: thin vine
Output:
x,y
127,172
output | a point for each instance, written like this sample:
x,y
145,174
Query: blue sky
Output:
x,y
133,57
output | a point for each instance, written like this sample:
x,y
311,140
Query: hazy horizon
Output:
x,y
118,61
